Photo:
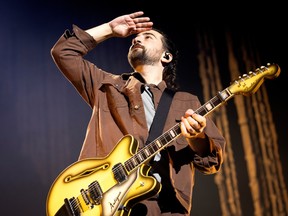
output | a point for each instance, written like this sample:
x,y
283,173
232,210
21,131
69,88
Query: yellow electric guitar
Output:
x,y
111,185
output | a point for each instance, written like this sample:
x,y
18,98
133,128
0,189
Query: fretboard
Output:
x,y
159,143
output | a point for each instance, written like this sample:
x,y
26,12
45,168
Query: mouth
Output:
x,y
135,46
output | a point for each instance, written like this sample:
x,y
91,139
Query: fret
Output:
x,y
158,143
154,147
162,139
147,153
134,161
150,148
165,137
177,129
142,155
209,106
137,159
128,165
224,95
201,111
171,132
168,137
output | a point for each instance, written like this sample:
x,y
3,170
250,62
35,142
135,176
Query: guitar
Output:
x,y
111,185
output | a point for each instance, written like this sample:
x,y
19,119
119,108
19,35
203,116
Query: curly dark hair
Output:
x,y
170,69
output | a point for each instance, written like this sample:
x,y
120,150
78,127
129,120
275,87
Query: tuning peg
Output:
x,y
252,73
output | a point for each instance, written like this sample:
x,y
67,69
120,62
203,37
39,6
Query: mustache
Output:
x,y
136,45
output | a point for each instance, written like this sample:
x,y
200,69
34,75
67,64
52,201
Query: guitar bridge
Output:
x,y
120,173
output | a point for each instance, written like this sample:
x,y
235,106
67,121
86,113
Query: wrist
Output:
x,y
101,32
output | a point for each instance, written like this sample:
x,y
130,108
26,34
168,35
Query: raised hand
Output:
x,y
129,24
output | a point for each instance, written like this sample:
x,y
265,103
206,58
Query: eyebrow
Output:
x,y
148,33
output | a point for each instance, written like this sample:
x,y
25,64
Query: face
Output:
x,y
146,48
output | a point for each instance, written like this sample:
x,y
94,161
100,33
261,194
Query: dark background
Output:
x,y
43,119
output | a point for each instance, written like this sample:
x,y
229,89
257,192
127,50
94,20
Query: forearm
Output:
x,y
101,32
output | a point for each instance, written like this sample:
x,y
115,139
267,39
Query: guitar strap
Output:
x,y
160,115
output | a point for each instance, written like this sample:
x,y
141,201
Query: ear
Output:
x,y
167,57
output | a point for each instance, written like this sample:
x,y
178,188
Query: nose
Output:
x,y
136,40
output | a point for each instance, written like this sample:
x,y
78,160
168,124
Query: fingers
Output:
x,y
137,19
141,23
192,124
136,14
199,120
126,25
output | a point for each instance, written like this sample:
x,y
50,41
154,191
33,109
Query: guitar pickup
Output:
x,y
69,208
95,192
120,173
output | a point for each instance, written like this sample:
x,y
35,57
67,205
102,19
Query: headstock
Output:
x,y
248,84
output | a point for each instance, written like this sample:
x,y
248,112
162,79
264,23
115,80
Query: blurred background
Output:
x,y
43,119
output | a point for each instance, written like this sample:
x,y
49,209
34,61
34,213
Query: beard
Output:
x,y
140,57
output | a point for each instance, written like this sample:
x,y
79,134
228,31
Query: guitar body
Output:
x,y
117,198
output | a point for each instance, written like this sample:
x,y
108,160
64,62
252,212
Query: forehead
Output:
x,y
152,33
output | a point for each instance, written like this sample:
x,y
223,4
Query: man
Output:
x,y
126,104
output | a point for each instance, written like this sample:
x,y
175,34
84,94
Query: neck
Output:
x,y
151,74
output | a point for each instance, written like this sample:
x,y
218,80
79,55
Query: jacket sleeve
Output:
x,y
205,154
211,161
68,53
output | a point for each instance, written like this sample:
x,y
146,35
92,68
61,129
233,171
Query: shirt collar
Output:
x,y
162,85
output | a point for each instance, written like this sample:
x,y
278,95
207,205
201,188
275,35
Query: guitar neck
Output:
x,y
147,152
